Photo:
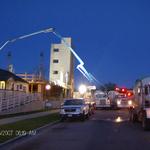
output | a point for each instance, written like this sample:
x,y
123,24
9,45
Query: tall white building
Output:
x,y
61,66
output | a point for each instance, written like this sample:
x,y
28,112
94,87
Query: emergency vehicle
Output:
x,y
140,111
101,100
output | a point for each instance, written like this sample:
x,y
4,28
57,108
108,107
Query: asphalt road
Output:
x,y
105,130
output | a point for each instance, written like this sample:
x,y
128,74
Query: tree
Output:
x,y
107,86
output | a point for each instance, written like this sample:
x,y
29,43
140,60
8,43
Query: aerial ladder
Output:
x,y
80,66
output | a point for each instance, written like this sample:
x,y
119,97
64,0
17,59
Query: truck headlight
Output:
x,y
130,102
118,102
108,101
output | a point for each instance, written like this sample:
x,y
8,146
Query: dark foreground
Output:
x,y
106,130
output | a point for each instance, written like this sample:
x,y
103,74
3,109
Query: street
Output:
x,y
105,130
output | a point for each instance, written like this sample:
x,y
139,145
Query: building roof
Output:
x,y
6,75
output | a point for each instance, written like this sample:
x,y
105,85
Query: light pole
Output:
x,y
82,89
46,90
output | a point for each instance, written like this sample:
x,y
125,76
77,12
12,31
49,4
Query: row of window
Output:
x,y
55,60
55,72
55,50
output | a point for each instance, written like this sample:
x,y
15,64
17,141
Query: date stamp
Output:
x,y
17,132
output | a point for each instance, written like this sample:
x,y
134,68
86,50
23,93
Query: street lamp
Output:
x,y
46,91
47,87
82,89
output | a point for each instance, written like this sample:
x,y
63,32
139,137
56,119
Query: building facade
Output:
x,y
62,66
9,81
36,84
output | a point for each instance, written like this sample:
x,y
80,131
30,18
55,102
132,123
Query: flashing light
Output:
x,y
129,94
123,90
117,89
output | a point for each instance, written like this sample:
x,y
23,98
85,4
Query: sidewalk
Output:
x,y
24,117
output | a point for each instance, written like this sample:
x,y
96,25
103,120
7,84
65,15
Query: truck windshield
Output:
x,y
101,96
73,102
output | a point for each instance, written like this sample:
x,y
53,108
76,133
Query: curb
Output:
x,y
25,136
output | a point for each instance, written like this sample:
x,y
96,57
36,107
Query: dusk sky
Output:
x,y
112,37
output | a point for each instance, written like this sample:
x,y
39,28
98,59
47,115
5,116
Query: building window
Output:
x,y
2,84
55,60
55,72
24,88
17,88
56,50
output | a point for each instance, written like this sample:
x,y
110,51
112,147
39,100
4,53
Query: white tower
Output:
x,y
61,65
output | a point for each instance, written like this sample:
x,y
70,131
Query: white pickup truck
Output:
x,y
74,108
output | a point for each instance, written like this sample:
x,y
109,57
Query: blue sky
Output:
x,y
112,37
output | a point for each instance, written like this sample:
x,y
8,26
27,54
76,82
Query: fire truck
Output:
x,y
125,99
140,110
120,98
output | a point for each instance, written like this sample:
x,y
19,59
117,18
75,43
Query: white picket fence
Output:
x,y
13,99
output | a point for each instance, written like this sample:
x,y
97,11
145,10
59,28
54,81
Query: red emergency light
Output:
x,y
123,90
129,94
117,89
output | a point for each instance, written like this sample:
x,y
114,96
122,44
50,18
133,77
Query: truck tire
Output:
x,y
83,117
88,115
145,123
133,117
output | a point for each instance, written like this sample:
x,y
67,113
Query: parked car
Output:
x,y
74,108
91,104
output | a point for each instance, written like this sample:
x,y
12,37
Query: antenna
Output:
x,y
41,66
9,62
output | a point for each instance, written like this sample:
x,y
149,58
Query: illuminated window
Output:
x,y
2,84
56,50
55,72
55,61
